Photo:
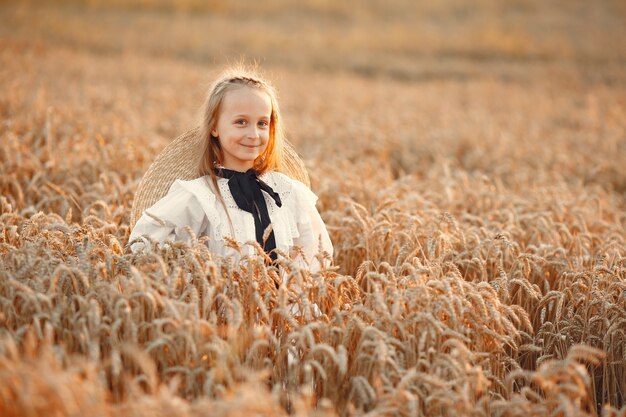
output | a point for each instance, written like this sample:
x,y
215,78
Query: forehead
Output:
x,y
246,100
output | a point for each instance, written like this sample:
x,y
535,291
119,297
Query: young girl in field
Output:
x,y
239,192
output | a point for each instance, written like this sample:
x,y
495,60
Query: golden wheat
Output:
x,y
480,252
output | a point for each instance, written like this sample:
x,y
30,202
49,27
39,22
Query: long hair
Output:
x,y
230,79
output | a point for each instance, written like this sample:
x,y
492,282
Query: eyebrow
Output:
x,y
245,115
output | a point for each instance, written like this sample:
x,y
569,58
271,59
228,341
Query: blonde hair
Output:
x,y
230,79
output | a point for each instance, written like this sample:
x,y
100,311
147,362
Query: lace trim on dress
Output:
x,y
287,220
194,205
298,201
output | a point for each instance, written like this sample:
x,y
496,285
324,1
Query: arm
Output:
x,y
313,236
169,218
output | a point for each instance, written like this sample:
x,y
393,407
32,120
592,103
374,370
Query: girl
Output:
x,y
239,192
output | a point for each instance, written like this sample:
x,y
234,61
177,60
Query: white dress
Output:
x,y
193,204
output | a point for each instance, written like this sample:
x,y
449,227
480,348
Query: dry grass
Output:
x,y
477,207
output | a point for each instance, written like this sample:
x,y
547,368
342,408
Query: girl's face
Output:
x,y
243,127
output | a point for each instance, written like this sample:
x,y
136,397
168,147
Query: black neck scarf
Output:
x,y
246,188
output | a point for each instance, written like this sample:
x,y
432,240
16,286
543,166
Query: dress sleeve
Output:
x,y
312,234
170,218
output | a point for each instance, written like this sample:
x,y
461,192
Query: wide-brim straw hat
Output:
x,y
180,161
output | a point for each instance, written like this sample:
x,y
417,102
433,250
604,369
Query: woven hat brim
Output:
x,y
181,159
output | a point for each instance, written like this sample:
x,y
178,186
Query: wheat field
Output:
x,y
471,166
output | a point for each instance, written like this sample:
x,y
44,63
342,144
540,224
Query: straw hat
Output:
x,y
180,160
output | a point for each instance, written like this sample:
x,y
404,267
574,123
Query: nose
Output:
x,y
253,132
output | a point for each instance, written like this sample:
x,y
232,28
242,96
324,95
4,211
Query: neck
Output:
x,y
236,166
230,168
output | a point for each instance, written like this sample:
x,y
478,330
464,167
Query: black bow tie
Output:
x,y
246,188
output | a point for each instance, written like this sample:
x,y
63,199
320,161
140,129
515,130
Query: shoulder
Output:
x,y
194,195
199,187
283,181
290,189
190,185
278,178
180,209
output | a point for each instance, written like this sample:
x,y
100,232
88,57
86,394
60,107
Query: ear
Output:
x,y
214,133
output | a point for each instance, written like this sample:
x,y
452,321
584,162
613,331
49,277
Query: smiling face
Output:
x,y
243,127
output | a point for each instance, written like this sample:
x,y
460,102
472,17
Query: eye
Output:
x,y
241,122
263,123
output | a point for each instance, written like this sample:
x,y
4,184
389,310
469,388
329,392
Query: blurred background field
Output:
x,y
469,158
